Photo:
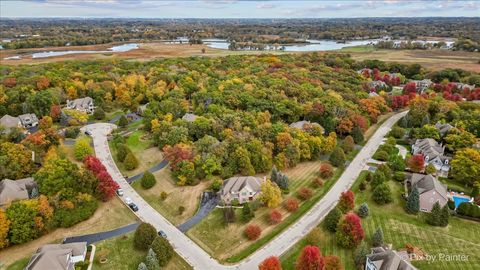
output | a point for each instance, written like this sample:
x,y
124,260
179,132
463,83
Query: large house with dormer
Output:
x,y
241,188
443,129
431,190
422,85
81,104
433,153
58,256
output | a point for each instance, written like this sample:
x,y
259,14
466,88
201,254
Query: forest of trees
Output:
x,y
36,33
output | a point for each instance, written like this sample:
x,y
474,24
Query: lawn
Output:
x,y
186,196
121,254
454,185
109,216
236,247
459,237
69,150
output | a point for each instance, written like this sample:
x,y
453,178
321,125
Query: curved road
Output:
x,y
194,254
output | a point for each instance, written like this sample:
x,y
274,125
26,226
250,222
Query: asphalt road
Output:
x,y
194,254
95,237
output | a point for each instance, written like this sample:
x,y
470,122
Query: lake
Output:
x,y
313,45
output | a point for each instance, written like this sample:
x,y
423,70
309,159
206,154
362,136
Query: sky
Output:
x,y
237,9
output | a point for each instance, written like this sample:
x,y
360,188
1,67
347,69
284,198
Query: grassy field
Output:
x,y
236,246
459,237
69,150
108,216
186,196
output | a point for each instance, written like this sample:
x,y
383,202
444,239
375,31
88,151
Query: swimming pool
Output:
x,y
459,200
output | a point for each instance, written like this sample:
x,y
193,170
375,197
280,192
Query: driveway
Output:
x,y
194,254
155,168
208,203
96,237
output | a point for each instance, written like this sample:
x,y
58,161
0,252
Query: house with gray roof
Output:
x,y
13,190
433,153
306,126
58,256
377,85
141,109
28,120
385,258
241,188
443,129
431,190
189,117
81,104
8,122
422,85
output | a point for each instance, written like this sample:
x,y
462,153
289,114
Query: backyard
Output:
x,y
459,237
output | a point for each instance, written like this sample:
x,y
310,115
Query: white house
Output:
x,y
81,104
28,120
433,153
241,188
422,85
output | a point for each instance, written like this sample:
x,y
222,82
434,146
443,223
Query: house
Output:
x,y
8,122
377,85
433,153
28,120
81,104
306,126
443,129
431,190
141,109
385,258
373,94
464,86
422,85
12,190
58,256
189,117
365,71
242,188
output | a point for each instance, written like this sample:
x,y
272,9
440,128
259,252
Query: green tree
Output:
x,y
360,255
57,175
247,213
331,220
122,121
144,236
22,227
458,139
163,249
363,210
377,239
15,161
130,162
357,135
142,266
337,158
444,216
99,114
122,151
151,260
348,144
40,102
413,202
466,166
427,131
397,132
82,148
148,180
435,215
382,194
378,179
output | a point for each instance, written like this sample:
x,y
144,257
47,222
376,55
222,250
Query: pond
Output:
x,y
311,46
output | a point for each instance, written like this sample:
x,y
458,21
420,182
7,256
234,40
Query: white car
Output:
x,y
120,192
128,201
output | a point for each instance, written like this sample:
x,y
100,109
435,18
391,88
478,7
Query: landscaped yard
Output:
x,y
210,233
186,196
121,254
108,216
459,237
69,150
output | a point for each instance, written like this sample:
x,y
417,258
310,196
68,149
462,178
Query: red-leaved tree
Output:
x,y
409,88
93,164
310,259
416,163
347,201
305,193
333,263
252,232
275,217
291,204
349,231
178,153
326,170
106,185
270,263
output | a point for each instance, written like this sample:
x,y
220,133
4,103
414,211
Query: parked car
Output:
x,y
120,192
162,234
88,133
134,207
128,201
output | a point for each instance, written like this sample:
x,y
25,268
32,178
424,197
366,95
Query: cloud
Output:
x,y
266,6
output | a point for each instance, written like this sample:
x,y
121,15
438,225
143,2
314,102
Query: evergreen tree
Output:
x,y
152,261
378,179
123,121
377,239
148,180
434,217
337,158
274,174
331,220
247,213
359,256
130,162
282,181
382,194
413,201
163,250
357,135
142,266
444,216
122,151
363,210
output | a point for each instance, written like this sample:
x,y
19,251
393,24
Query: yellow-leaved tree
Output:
x,y
271,194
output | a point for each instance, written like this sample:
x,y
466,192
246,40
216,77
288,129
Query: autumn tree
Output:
x,y
457,139
416,163
4,228
326,170
337,158
304,193
333,262
291,204
252,232
466,166
275,217
82,149
271,194
348,144
347,201
270,263
106,186
349,231
310,259
15,161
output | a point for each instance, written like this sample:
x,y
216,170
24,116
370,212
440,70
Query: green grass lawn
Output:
x,y
18,265
121,254
358,49
138,141
454,185
459,237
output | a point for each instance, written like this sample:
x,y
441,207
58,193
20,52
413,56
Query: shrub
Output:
x,y
72,132
151,260
144,236
216,185
270,263
181,209
349,231
122,151
381,155
314,237
142,266
332,262
326,170
331,220
247,213
130,162
163,249
252,232
317,182
451,204
382,194
360,255
468,209
275,217
363,210
305,193
163,195
430,169
399,176
377,239
310,259
337,158
347,201
348,144
99,114
397,132
291,204
148,180
362,186
122,121
357,134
